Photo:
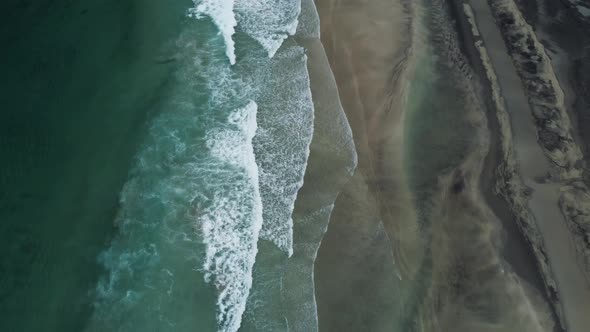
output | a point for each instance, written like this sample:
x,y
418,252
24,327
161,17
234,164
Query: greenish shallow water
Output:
x,y
438,139
439,130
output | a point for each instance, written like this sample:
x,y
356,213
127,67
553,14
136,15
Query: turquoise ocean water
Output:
x,y
152,154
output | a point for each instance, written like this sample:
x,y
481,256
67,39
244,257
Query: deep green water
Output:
x,y
78,85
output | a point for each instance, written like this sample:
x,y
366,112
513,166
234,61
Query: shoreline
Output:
x,y
331,162
362,277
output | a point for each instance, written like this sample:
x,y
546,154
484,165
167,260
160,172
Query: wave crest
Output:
x,y
231,224
269,22
221,13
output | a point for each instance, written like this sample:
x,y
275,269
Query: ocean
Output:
x,y
180,165
154,153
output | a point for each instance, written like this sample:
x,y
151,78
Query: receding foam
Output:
x,y
282,143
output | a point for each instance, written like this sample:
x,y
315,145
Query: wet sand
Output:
x,y
371,270
357,281
331,162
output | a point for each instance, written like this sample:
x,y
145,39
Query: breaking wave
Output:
x,y
220,168
232,221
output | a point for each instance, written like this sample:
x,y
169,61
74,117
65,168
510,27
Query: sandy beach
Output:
x,y
389,263
358,282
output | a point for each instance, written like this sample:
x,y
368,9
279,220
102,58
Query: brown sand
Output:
x,y
370,258
357,279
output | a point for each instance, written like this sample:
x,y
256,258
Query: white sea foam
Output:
x,y
269,22
200,169
148,259
221,13
283,140
231,224
185,179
